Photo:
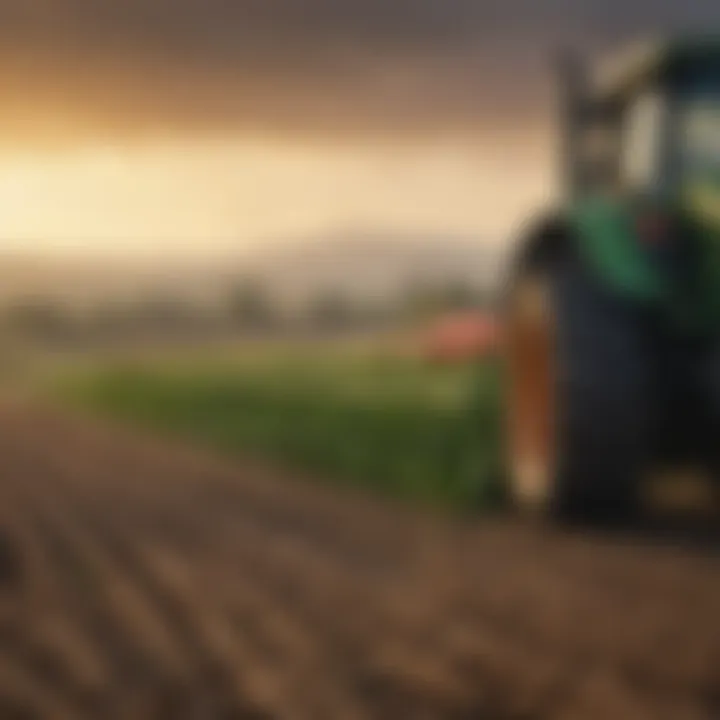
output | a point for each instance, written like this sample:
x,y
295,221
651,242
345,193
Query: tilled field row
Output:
x,y
141,580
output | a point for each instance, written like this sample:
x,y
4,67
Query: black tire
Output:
x,y
599,412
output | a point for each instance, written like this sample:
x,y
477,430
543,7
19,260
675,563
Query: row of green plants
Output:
x,y
399,427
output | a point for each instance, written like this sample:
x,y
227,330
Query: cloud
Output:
x,y
329,67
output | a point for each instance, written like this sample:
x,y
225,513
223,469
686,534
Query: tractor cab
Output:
x,y
641,171
648,119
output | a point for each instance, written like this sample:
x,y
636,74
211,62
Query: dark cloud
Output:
x,y
324,66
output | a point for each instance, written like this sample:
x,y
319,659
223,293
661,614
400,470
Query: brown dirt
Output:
x,y
143,581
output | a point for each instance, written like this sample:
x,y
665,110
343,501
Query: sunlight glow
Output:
x,y
201,196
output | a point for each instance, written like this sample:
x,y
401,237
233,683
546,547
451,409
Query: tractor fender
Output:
x,y
599,234
544,242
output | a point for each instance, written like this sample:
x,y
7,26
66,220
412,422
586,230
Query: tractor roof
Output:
x,y
642,63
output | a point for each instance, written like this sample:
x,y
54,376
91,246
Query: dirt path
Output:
x,y
138,581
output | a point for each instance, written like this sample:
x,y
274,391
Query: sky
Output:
x,y
204,126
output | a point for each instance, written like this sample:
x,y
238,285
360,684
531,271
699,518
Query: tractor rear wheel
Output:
x,y
577,396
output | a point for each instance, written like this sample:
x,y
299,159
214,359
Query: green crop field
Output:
x,y
394,425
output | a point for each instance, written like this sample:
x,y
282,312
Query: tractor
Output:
x,y
613,300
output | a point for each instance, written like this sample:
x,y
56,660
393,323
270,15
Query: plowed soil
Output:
x,y
142,580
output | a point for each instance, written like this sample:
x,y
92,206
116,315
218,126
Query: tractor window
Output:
x,y
700,135
699,123
642,143
698,148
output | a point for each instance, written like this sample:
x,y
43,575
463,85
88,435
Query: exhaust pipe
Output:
x,y
572,85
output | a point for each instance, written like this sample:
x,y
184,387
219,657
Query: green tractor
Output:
x,y
613,322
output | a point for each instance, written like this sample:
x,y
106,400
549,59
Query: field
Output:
x,y
166,551
392,424
143,580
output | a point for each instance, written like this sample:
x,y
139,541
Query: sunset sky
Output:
x,y
200,126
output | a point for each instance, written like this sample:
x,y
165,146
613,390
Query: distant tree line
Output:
x,y
248,308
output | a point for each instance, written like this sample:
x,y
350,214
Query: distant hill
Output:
x,y
83,280
372,265
362,265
